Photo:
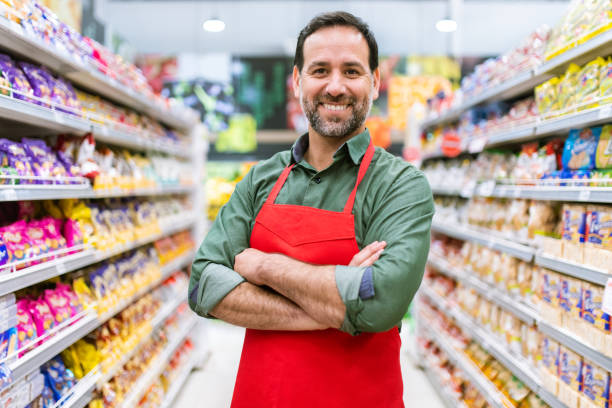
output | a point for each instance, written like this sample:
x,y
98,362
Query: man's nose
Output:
x,y
336,85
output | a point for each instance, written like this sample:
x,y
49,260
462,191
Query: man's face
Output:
x,y
336,86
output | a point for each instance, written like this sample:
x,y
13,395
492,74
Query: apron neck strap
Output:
x,y
363,168
279,184
348,208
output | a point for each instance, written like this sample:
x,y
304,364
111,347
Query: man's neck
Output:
x,y
320,153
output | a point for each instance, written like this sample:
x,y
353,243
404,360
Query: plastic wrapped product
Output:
x,y
588,84
605,82
19,83
37,81
17,159
596,385
580,149
603,159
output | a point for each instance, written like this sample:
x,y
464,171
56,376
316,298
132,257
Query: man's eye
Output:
x,y
352,72
319,71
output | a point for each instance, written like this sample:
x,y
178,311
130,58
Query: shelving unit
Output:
x,y
178,383
448,400
21,118
156,367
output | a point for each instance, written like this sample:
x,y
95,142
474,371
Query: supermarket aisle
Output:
x,y
212,387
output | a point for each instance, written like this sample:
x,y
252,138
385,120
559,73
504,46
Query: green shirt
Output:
x,y
393,203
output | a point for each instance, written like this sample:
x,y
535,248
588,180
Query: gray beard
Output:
x,y
336,128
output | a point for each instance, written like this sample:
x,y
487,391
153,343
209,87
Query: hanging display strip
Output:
x,y
164,313
23,278
157,366
15,40
597,46
23,192
36,115
519,368
487,389
523,312
520,251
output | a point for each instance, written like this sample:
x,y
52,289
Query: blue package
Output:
x,y
580,149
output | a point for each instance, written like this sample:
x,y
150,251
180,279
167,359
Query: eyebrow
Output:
x,y
346,64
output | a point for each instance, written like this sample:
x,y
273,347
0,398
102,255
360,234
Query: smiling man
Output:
x,y
320,249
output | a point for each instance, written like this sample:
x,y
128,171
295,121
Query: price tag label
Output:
x,y
8,194
584,195
61,268
607,297
605,111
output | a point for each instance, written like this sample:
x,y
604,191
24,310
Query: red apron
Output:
x,y
329,368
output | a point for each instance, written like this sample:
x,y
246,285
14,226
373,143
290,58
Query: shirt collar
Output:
x,y
356,146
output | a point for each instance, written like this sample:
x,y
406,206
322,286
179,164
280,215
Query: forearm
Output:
x,y
254,307
311,287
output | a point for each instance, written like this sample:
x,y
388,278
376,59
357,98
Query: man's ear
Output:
x,y
376,75
296,82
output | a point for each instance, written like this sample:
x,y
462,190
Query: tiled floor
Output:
x,y
212,386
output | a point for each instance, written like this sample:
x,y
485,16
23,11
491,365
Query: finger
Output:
x,y
370,261
365,253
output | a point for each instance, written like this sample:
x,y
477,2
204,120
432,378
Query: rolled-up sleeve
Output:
x,y
212,274
402,218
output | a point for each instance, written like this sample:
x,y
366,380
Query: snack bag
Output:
x,y
596,384
17,244
65,88
42,316
567,87
51,235
20,86
44,161
86,297
59,305
605,82
74,302
5,83
592,312
36,237
603,157
26,329
8,343
17,159
85,157
38,82
72,232
4,254
580,149
546,97
588,81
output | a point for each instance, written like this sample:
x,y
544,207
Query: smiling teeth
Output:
x,y
335,107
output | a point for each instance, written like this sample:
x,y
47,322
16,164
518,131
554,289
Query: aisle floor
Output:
x,y
212,386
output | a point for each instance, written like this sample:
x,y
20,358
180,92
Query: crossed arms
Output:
x,y
305,296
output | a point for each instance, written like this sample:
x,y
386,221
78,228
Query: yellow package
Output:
x,y
546,96
603,157
567,88
605,82
588,80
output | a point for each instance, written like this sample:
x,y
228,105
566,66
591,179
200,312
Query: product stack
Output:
x,y
98,209
517,276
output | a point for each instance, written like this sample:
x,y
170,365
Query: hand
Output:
x,y
249,264
368,255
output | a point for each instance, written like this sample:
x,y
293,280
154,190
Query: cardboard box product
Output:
x,y
597,325
596,383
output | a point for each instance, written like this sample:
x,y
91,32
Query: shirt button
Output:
x,y
317,179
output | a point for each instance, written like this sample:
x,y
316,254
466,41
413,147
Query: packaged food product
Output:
x,y
546,97
8,343
603,158
38,82
59,305
588,91
42,316
598,246
17,159
605,82
549,307
570,369
580,149
17,245
596,322
20,86
574,232
86,297
26,329
566,89
74,302
596,385
36,239
570,295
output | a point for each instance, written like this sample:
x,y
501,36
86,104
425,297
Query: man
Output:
x,y
282,258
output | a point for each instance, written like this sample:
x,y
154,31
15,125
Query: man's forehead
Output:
x,y
331,39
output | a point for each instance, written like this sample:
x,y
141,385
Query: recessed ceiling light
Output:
x,y
213,25
446,25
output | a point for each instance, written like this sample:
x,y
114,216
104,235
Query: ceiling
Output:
x,y
270,27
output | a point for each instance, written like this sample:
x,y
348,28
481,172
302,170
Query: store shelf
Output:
x,y
164,313
12,282
156,367
445,191
43,118
167,271
447,399
58,192
53,346
569,340
491,293
600,45
598,277
81,394
520,251
179,382
493,396
512,135
14,40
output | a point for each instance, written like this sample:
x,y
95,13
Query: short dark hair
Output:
x,y
332,19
